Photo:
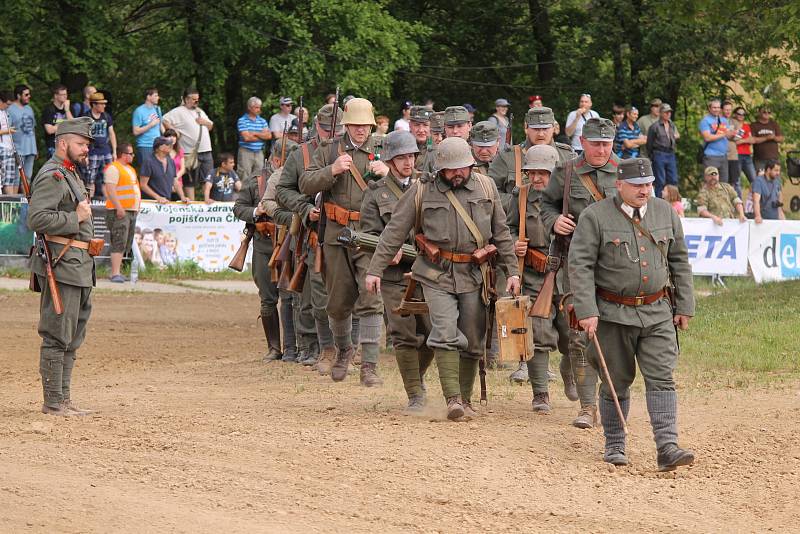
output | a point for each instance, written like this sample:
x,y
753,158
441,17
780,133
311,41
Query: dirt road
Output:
x,y
195,434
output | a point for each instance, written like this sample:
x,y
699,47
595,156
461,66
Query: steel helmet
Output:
x,y
358,111
453,153
541,157
398,143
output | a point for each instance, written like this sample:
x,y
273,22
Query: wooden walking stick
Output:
x,y
602,362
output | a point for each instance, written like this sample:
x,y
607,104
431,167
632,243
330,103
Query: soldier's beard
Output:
x,y
81,158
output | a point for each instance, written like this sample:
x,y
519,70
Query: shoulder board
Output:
x,y
613,160
564,146
375,184
326,142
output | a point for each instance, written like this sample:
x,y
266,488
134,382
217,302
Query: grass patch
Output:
x,y
182,270
744,334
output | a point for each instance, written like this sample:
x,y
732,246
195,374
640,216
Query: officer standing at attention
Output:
x,y
66,223
627,259
462,220
593,175
338,169
408,334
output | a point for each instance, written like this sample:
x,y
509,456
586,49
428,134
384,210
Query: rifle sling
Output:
x,y
523,214
262,186
306,155
354,171
518,166
393,187
589,184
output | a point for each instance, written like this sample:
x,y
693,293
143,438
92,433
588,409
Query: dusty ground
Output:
x,y
195,434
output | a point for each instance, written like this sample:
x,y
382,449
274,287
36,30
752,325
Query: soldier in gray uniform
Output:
x,y
419,124
437,127
65,220
408,334
457,122
289,195
485,141
459,214
628,252
506,171
593,177
549,334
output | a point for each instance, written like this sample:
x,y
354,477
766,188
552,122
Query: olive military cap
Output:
x,y
81,126
455,115
437,121
485,133
277,146
598,129
635,171
540,118
420,114
325,116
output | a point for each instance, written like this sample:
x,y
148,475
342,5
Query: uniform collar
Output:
x,y
582,166
64,162
349,145
401,182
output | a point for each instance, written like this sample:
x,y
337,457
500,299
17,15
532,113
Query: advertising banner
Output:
x,y
775,250
716,249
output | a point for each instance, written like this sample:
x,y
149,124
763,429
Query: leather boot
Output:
x,y
416,404
272,331
662,406
369,375
325,360
570,388
541,403
455,410
520,376
70,406
342,363
586,418
60,410
469,410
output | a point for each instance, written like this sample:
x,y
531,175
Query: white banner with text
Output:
x,y
715,249
775,250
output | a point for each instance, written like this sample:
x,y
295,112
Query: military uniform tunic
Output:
x,y
344,269
608,252
52,211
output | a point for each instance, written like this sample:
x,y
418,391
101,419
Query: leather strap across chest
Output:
x,y
354,171
589,184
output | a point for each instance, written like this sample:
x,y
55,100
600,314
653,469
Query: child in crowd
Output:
x,y
673,196
222,184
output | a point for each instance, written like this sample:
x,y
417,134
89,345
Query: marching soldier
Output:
x,y
337,170
248,209
437,127
60,212
408,334
293,349
420,126
289,195
627,256
592,178
506,171
461,220
551,333
485,141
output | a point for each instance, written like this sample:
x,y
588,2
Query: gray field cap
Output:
x,y
635,171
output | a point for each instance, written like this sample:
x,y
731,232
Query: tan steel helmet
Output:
x,y
358,111
453,153
541,157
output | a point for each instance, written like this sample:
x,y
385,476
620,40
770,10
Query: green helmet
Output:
x,y
398,143
453,153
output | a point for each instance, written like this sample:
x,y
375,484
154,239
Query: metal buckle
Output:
x,y
638,301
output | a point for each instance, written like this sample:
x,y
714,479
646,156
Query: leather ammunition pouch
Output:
x,y
96,246
431,251
341,215
484,254
536,260
313,239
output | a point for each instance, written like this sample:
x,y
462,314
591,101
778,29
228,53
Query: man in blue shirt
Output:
x,y
714,131
253,131
147,125
767,198
23,121
629,135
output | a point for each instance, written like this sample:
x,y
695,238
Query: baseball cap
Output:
x,y
501,102
470,108
407,104
665,107
655,102
635,171
711,171
286,100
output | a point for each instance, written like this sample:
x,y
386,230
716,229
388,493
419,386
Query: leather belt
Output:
x,y
341,215
455,257
641,300
67,241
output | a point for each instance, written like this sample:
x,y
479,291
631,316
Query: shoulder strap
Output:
x,y
306,155
567,182
589,184
393,187
354,171
523,210
518,165
462,212
418,205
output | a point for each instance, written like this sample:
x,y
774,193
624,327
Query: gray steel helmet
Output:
x,y
398,143
541,157
453,153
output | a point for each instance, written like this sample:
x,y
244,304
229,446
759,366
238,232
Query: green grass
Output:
x,y
744,334
181,271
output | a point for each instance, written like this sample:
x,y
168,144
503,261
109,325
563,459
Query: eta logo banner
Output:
x,y
775,250
716,249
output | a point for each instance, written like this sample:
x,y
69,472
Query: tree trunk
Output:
x,y
545,48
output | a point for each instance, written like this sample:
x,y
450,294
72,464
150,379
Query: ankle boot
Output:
x,y
272,331
613,430
663,409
